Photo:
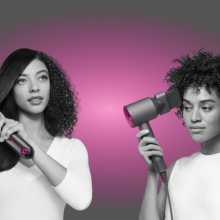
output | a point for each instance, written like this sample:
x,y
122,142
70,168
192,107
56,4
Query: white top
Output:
x,y
25,193
194,188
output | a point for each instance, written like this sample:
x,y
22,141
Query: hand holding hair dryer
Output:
x,y
141,112
20,146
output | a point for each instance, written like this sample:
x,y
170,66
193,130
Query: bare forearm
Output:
x,y
149,208
54,171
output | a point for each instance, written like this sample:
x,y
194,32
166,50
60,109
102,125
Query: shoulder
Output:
x,y
71,144
69,141
66,150
187,160
181,161
72,141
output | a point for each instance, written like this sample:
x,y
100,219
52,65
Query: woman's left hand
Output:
x,y
10,126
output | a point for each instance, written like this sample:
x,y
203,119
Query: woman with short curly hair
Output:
x,y
37,103
194,180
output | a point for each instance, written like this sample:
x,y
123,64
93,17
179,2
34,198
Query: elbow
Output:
x,y
84,204
75,191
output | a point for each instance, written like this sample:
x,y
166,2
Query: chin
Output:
x,y
34,111
196,139
200,137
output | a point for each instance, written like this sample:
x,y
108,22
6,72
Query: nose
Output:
x,y
34,87
195,116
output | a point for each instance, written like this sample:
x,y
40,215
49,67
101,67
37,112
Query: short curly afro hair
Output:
x,y
200,70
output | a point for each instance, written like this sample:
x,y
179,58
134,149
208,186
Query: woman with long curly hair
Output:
x,y
193,181
37,103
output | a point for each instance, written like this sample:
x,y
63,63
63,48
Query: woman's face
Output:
x,y
201,113
32,88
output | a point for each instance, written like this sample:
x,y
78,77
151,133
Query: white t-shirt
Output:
x,y
25,193
194,187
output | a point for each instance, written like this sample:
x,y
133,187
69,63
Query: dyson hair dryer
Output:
x,y
20,146
141,112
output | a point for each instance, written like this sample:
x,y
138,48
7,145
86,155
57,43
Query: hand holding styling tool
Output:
x,y
20,146
141,112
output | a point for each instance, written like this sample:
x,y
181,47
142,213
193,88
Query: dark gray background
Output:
x,y
199,14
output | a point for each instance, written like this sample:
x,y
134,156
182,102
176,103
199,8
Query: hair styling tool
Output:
x,y
20,146
141,112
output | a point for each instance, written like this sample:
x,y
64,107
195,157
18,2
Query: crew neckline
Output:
x,y
209,155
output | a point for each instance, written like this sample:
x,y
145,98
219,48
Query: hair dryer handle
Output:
x,y
158,161
146,126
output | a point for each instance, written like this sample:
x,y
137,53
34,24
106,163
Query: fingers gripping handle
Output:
x,y
147,126
158,161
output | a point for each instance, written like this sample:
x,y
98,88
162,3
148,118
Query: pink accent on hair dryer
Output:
x,y
20,146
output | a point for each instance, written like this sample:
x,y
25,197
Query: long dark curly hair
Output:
x,y
60,115
200,70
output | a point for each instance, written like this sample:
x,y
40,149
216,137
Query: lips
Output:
x,y
35,98
196,127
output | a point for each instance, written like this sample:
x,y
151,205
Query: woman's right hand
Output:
x,y
148,147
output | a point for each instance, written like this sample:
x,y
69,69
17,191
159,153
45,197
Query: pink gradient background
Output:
x,y
114,61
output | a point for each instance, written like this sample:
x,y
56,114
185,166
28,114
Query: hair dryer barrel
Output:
x,y
146,109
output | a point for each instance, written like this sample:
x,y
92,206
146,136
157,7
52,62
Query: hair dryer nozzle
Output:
x,y
141,111
128,117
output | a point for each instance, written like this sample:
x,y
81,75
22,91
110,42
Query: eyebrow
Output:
x,y
37,72
202,101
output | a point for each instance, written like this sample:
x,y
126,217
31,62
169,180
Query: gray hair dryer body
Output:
x,y
141,112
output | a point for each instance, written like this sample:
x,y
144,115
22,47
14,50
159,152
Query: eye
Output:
x,y
20,81
43,78
187,108
206,108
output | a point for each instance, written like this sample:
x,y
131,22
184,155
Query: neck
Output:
x,y
212,146
33,124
